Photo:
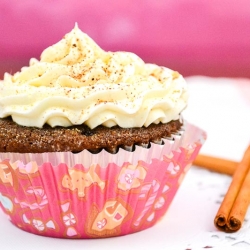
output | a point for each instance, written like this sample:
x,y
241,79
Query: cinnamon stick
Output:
x,y
216,164
232,211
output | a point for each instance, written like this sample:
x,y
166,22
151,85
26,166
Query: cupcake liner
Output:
x,y
88,195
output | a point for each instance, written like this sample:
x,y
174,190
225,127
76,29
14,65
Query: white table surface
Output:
x,y
221,107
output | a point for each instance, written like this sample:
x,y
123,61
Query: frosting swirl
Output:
x,y
77,82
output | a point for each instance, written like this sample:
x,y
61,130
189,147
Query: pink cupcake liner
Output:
x,y
100,195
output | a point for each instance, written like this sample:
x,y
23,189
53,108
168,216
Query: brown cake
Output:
x,y
16,138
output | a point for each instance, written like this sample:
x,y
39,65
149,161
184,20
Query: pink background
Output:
x,y
191,36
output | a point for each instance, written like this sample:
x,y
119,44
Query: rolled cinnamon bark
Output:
x,y
232,211
240,206
215,164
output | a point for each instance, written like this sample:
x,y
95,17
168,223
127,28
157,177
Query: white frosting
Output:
x,y
76,82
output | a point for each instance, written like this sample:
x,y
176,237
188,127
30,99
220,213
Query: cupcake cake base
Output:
x,y
17,138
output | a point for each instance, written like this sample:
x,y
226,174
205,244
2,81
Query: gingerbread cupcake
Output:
x,y
92,143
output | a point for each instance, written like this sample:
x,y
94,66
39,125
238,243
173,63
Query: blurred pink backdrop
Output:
x,y
194,37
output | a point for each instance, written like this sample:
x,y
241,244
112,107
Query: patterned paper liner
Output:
x,y
88,195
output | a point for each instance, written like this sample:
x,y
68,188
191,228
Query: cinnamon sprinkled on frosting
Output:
x,y
76,82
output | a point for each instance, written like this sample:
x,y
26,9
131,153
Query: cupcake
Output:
x,y
92,143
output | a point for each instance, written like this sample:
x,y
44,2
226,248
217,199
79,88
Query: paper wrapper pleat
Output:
x,y
89,195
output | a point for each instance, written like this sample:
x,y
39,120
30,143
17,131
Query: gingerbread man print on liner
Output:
x,y
79,180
